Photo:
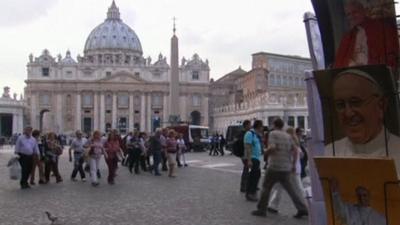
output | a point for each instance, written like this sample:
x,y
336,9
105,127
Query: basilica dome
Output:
x,y
113,34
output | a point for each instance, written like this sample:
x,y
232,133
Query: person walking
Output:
x,y
239,141
52,150
282,157
134,152
155,147
172,149
277,190
163,139
38,161
113,151
96,149
253,152
27,149
78,148
181,148
222,143
143,150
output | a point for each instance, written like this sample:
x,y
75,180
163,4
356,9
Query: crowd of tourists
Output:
x,y
281,148
137,151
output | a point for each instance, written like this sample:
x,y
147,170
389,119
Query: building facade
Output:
x,y
112,86
11,114
274,87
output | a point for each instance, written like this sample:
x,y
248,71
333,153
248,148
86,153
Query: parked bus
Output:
x,y
196,137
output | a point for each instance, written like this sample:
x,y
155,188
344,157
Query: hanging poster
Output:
x,y
358,32
356,194
360,108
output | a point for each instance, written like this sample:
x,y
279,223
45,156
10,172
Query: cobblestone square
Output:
x,y
205,193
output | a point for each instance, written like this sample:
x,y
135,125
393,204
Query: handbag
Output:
x,y
14,168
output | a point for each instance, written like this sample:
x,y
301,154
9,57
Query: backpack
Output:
x,y
238,145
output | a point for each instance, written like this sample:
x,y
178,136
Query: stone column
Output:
x,y
14,123
296,122
34,114
114,112
305,122
59,114
165,110
102,113
143,112
95,111
131,113
78,119
205,111
20,123
149,113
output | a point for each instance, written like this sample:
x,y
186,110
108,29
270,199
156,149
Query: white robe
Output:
x,y
374,148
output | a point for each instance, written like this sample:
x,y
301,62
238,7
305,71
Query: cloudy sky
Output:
x,y
226,32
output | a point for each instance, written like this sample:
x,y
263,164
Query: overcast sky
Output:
x,y
226,32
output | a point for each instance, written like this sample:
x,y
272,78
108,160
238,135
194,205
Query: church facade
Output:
x,y
113,86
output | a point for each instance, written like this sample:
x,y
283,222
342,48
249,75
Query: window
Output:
x,y
300,122
136,100
137,74
156,100
123,101
44,99
68,101
195,75
272,80
196,100
109,101
157,74
108,74
87,100
45,71
290,121
279,81
127,59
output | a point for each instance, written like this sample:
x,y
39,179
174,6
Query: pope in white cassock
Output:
x,y
360,106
